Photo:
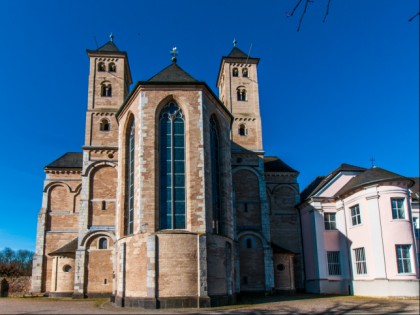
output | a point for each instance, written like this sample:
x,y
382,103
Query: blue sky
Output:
x,y
343,91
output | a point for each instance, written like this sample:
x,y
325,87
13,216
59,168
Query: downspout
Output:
x,y
348,250
380,225
302,247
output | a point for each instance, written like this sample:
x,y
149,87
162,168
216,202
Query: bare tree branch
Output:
x,y
294,9
414,16
327,11
303,14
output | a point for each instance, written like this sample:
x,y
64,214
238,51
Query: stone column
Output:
x,y
151,266
79,274
202,293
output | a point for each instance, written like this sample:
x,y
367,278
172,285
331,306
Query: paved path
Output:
x,y
297,304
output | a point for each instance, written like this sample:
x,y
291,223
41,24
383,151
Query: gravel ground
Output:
x,y
295,304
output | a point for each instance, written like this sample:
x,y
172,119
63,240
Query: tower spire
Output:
x,y
234,42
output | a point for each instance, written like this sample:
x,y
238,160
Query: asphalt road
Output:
x,y
295,304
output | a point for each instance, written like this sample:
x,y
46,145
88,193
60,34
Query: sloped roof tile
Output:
x,y
68,160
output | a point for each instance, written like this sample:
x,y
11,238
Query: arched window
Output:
x,y
216,178
245,72
112,67
103,243
101,67
248,243
235,72
172,167
241,93
242,131
130,181
106,90
105,125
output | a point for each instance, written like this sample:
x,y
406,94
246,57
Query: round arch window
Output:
x,y
280,267
66,268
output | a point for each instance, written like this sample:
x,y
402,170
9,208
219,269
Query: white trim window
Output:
x,y
398,211
334,267
356,218
329,221
403,258
360,260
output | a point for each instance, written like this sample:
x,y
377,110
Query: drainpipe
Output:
x,y
348,249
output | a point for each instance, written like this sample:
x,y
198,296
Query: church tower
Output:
x,y
109,82
238,91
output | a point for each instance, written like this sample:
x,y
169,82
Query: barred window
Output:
x,y
334,268
398,208
360,261
403,258
329,221
356,219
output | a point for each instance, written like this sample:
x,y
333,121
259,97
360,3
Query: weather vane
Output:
x,y
234,42
174,52
372,160
111,38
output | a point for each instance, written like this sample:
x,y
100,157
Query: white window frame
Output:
x,y
357,216
398,212
407,260
360,263
331,224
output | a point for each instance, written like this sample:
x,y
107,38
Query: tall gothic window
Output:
x,y
216,178
130,180
172,168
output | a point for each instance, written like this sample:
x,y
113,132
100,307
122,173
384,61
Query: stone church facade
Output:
x,y
172,202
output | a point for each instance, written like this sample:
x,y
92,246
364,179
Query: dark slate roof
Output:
x,y
280,250
110,46
274,164
371,176
68,160
173,73
237,53
66,249
311,189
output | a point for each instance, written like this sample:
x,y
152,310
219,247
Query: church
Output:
x,y
172,201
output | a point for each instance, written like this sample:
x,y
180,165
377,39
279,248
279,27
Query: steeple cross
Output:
x,y
174,53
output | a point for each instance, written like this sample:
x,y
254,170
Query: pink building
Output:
x,y
359,233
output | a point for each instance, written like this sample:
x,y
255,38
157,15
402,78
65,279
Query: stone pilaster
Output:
x,y
79,281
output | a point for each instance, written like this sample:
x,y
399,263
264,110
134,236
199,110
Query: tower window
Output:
x,y
245,72
172,168
242,130
104,125
106,90
241,94
103,205
103,243
235,72
101,67
112,67
248,243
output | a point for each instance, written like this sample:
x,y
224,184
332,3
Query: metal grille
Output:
x,y
334,267
360,258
